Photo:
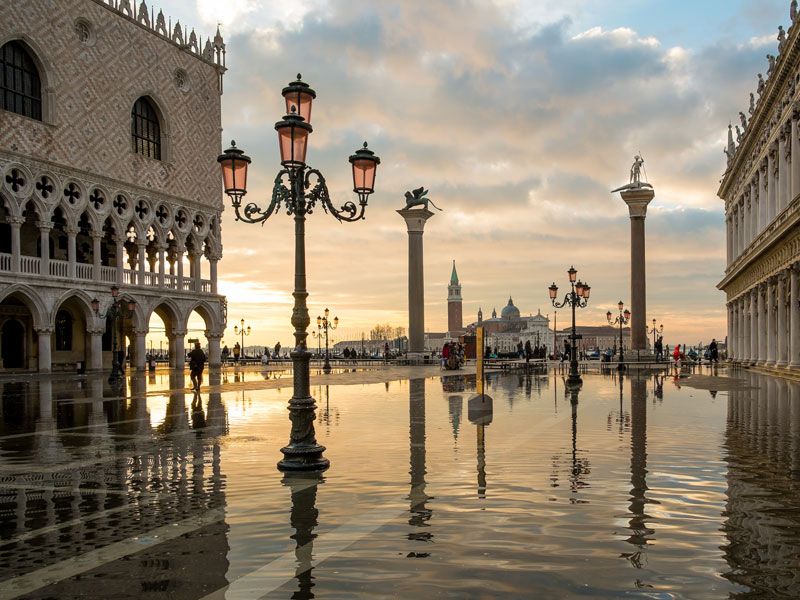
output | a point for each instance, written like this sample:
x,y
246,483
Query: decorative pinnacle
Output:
x,y
299,77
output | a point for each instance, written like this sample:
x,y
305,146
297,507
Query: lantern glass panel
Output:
x,y
586,291
293,143
572,274
553,291
364,176
301,101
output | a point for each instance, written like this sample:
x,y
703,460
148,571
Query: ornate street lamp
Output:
x,y
119,309
577,297
241,332
323,326
655,331
623,319
299,188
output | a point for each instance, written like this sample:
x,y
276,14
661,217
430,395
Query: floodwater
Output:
x,y
635,487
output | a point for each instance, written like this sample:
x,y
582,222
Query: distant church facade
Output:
x,y
109,133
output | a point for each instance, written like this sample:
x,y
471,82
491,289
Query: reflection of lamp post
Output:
x,y
242,332
577,297
294,190
119,309
303,518
623,319
323,326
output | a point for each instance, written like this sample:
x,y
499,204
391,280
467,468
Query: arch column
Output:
x,y
746,316
140,347
214,353
120,241
176,340
213,272
162,251
784,148
141,250
44,254
179,262
97,240
72,233
16,224
763,195
772,190
45,352
197,283
794,167
95,362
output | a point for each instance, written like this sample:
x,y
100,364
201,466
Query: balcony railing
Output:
x,y
31,265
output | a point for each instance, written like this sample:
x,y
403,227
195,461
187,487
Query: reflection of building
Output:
x,y
760,187
109,133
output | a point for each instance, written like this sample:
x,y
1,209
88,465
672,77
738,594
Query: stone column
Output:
x,y
734,350
762,325
179,262
415,222
141,249
745,303
44,251
162,250
177,358
95,362
45,354
120,241
214,354
97,238
794,316
753,302
782,353
72,232
729,239
754,204
771,325
213,268
140,345
729,338
16,224
637,200
197,282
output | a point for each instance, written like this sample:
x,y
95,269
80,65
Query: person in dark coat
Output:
x,y
197,362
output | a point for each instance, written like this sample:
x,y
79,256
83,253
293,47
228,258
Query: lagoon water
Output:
x,y
635,487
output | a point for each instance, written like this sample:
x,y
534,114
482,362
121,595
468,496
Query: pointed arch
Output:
x,y
31,300
44,72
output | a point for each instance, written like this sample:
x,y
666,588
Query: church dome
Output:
x,y
510,312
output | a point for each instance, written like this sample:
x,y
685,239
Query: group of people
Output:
x,y
452,355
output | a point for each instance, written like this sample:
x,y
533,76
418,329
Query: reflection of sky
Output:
x,y
520,116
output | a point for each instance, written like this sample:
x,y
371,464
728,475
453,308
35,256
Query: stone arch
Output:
x,y
31,299
170,315
46,72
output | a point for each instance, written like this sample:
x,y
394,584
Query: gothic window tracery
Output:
x,y
145,129
20,83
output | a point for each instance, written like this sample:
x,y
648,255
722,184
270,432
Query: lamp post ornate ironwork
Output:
x,y
623,319
577,297
655,331
241,332
118,309
323,326
299,189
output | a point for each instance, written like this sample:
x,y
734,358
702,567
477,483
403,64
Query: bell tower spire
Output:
x,y
455,321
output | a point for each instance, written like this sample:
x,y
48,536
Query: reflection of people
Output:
x,y
198,416
197,362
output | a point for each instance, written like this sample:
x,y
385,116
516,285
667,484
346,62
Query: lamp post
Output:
x,y
118,309
655,331
623,319
241,332
577,297
323,326
299,188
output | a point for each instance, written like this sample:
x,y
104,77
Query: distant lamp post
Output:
x,y
241,331
623,319
323,326
119,310
655,331
299,188
577,297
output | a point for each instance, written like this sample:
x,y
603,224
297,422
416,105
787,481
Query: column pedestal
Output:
x,y
415,222
637,200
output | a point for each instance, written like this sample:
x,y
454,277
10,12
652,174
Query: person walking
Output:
x,y
236,352
197,362
225,354
676,355
713,351
659,348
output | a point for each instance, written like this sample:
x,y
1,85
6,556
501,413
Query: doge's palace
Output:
x,y
761,190
109,134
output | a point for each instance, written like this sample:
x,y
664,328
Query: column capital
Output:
x,y
96,330
637,200
213,335
44,225
178,333
71,230
415,218
97,235
15,221
141,331
44,330
142,242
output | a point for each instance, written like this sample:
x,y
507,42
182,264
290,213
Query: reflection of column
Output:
x,y
415,222
637,201
419,514
745,302
303,519
481,456
45,360
640,532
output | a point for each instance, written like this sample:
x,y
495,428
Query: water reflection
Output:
x,y
419,513
303,518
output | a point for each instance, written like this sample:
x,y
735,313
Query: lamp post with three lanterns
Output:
x,y
655,331
577,297
623,319
298,189
241,332
323,326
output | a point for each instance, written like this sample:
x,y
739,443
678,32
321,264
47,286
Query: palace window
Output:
x,y
63,331
145,129
20,84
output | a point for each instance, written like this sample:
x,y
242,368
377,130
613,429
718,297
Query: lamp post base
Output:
x,y
303,457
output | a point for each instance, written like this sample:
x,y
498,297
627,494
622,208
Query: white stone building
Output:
x,y
761,187
109,133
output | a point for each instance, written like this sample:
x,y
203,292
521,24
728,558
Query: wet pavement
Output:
x,y
635,486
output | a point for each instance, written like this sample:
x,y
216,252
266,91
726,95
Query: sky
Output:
x,y
519,117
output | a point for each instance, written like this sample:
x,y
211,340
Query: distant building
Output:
x,y
109,134
455,318
600,337
761,190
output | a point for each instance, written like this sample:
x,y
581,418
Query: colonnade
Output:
x,y
775,183
764,322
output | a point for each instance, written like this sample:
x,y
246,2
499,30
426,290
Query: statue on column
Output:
x,y
419,197
635,176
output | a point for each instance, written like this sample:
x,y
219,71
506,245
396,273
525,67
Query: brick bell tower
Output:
x,y
455,321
